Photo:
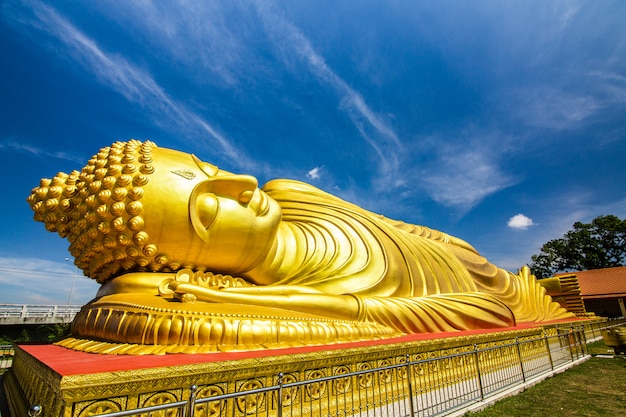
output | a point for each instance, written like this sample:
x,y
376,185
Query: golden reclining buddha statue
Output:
x,y
192,258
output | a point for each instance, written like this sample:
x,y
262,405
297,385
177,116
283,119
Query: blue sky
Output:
x,y
500,122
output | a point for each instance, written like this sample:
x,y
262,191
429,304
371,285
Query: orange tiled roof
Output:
x,y
601,283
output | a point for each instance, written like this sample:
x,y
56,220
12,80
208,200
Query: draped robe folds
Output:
x,y
407,277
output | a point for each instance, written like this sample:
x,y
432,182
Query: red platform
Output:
x,y
68,362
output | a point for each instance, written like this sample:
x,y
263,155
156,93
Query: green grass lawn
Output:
x,y
596,387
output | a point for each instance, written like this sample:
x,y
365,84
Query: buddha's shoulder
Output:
x,y
291,190
278,185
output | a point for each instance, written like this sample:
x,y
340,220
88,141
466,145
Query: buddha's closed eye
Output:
x,y
209,169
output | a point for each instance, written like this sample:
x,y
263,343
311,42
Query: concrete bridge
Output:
x,y
11,314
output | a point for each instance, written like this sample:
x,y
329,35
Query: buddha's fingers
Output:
x,y
200,293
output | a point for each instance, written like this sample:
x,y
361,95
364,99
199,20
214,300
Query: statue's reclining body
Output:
x,y
192,258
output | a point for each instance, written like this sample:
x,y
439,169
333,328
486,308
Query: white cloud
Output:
x,y
520,221
314,173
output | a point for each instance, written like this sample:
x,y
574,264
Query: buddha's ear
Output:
x,y
203,209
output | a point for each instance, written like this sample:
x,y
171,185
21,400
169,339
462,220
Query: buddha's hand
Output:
x,y
186,289
189,286
188,293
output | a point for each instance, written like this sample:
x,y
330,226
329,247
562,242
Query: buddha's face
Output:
x,y
206,217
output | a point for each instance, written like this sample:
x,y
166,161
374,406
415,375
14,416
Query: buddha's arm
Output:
x,y
440,312
273,290
302,299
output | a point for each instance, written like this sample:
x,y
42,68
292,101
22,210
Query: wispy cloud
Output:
x,y
13,146
612,85
464,171
372,127
553,108
201,36
135,84
464,179
29,280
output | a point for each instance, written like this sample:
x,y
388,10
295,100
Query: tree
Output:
x,y
599,244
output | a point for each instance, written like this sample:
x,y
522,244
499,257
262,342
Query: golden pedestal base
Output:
x,y
78,384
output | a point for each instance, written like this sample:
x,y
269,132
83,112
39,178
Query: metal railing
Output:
x,y
6,356
37,313
593,330
415,385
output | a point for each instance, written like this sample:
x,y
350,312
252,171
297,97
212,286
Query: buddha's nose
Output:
x,y
234,186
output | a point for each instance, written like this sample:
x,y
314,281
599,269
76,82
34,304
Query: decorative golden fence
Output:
x,y
415,384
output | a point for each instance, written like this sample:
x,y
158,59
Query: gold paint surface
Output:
x,y
192,258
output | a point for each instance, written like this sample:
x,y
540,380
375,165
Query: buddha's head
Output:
x,y
137,207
